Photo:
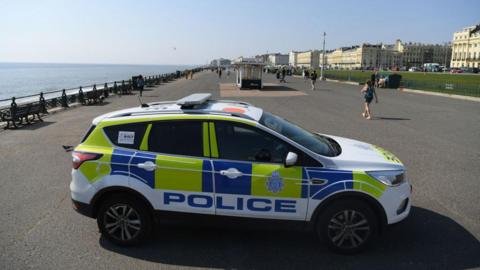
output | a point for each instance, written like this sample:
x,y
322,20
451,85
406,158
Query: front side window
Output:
x,y
317,143
241,142
177,138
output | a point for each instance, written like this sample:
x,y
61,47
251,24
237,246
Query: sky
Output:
x,y
197,31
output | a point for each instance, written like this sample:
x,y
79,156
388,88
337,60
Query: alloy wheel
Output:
x,y
122,222
348,229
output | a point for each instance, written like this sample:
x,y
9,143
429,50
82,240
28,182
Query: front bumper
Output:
x,y
397,202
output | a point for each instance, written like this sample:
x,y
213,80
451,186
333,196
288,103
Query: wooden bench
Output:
x,y
17,114
93,97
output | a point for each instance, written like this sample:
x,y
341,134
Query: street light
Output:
x,y
323,57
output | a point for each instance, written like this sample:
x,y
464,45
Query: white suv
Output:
x,y
228,158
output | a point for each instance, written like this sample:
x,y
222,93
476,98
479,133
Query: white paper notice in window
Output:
x,y
126,137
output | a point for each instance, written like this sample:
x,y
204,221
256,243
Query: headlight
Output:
x,y
389,178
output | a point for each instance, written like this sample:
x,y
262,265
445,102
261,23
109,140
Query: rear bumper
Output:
x,y
83,208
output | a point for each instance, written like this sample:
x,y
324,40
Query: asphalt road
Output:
x,y
437,138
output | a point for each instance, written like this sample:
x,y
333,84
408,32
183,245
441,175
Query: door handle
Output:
x,y
148,166
231,173
318,181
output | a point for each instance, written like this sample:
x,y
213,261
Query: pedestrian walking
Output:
x,y
140,84
368,94
305,74
220,73
284,72
313,77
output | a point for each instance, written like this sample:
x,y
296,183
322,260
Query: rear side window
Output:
x,y
177,137
127,135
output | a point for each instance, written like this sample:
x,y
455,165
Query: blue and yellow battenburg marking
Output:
x,y
198,174
339,180
262,180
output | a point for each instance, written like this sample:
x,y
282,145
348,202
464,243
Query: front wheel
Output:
x,y
124,221
348,226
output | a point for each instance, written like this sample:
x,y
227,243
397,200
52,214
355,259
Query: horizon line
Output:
x,y
90,63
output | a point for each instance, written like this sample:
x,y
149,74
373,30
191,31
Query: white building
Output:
x,y
466,47
277,59
308,59
292,58
220,62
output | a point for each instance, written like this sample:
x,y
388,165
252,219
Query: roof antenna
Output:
x,y
143,105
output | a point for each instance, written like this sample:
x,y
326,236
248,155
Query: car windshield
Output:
x,y
317,143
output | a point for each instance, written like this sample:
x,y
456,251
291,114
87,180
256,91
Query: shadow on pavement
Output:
x,y
98,104
425,240
276,88
35,125
390,118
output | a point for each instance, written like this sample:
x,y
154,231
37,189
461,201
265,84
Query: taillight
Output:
x,y
79,157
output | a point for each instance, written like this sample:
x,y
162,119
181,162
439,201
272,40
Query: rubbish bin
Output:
x,y
393,80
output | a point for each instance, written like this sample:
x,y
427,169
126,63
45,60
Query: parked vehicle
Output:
x,y
456,70
230,158
444,69
469,70
431,67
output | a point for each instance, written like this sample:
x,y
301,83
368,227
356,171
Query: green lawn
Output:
x,y
460,84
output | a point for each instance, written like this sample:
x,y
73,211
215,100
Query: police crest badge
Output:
x,y
275,182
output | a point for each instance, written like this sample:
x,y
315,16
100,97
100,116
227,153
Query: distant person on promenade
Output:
x,y
284,72
220,73
140,84
313,77
305,74
369,94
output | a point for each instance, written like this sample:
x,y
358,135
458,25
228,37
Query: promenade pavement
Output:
x,y
437,138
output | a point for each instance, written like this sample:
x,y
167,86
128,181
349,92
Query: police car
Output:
x,y
230,158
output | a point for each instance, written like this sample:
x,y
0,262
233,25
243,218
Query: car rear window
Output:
x,y
126,135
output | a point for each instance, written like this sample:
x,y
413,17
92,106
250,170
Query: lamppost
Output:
x,y
323,57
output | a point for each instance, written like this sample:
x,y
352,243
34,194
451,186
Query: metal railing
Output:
x,y
65,97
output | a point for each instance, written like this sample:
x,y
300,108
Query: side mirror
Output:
x,y
291,159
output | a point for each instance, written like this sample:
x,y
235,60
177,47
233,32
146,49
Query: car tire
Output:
x,y
347,226
124,220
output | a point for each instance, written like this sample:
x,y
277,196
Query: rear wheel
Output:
x,y
347,226
124,220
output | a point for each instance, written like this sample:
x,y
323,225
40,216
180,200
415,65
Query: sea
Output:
x,y
23,79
